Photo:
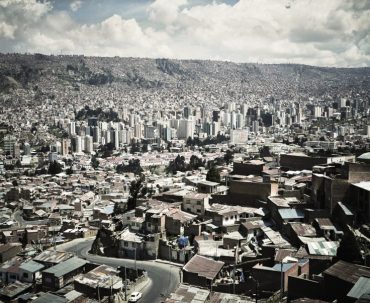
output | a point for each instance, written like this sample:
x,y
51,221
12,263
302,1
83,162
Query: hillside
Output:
x,y
204,79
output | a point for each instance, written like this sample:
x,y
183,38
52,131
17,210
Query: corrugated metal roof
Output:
x,y
48,297
31,266
204,267
65,267
361,287
291,213
347,271
324,248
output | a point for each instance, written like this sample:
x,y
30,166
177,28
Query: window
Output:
x,y
25,275
198,210
125,244
199,202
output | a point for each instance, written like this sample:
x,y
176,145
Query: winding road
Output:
x,y
164,278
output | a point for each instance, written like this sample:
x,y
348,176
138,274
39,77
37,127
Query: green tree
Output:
x,y
118,208
177,165
94,162
54,168
133,166
135,148
107,150
69,171
228,157
213,175
265,151
195,162
24,239
135,189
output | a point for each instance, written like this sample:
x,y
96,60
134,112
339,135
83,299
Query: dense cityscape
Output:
x,y
162,180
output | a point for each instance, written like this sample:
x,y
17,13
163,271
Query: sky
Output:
x,y
315,32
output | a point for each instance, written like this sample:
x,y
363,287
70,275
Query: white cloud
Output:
x,y
164,11
75,5
7,30
330,32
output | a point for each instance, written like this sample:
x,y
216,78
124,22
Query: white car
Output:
x,y
135,296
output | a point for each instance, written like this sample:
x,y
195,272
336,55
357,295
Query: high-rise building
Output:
x,y
65,146
72,128
187,112
92,121
77,144
26,149
9,141
89,144
186,128
96,134
239,136
138,130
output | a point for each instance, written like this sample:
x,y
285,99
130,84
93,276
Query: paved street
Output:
x,y
164,277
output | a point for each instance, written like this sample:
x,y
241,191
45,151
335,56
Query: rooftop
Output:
x,y
204,267
348,272
65,267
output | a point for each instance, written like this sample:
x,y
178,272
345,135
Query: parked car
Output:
x,y
135,296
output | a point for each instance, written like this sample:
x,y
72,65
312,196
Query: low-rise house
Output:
x,y
341,277
66,211
195,203
155,221
201,271
207,187
226,215
49,297
63,273
52,257
251,228
295,230
30,271
130,245
176,220
188,294
325,228
100,282
11,292
9,250
9,270
286,215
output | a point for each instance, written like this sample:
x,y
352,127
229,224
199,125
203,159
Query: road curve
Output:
x,y
164,277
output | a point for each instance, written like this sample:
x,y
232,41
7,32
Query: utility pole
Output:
x,y
135,262
125,284
98,294
281,281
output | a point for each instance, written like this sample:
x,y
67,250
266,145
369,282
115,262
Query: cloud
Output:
x,y
75,5
330,32
164,11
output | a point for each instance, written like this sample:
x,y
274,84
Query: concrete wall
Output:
x,y
250,191
303,288
245,168
298,162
